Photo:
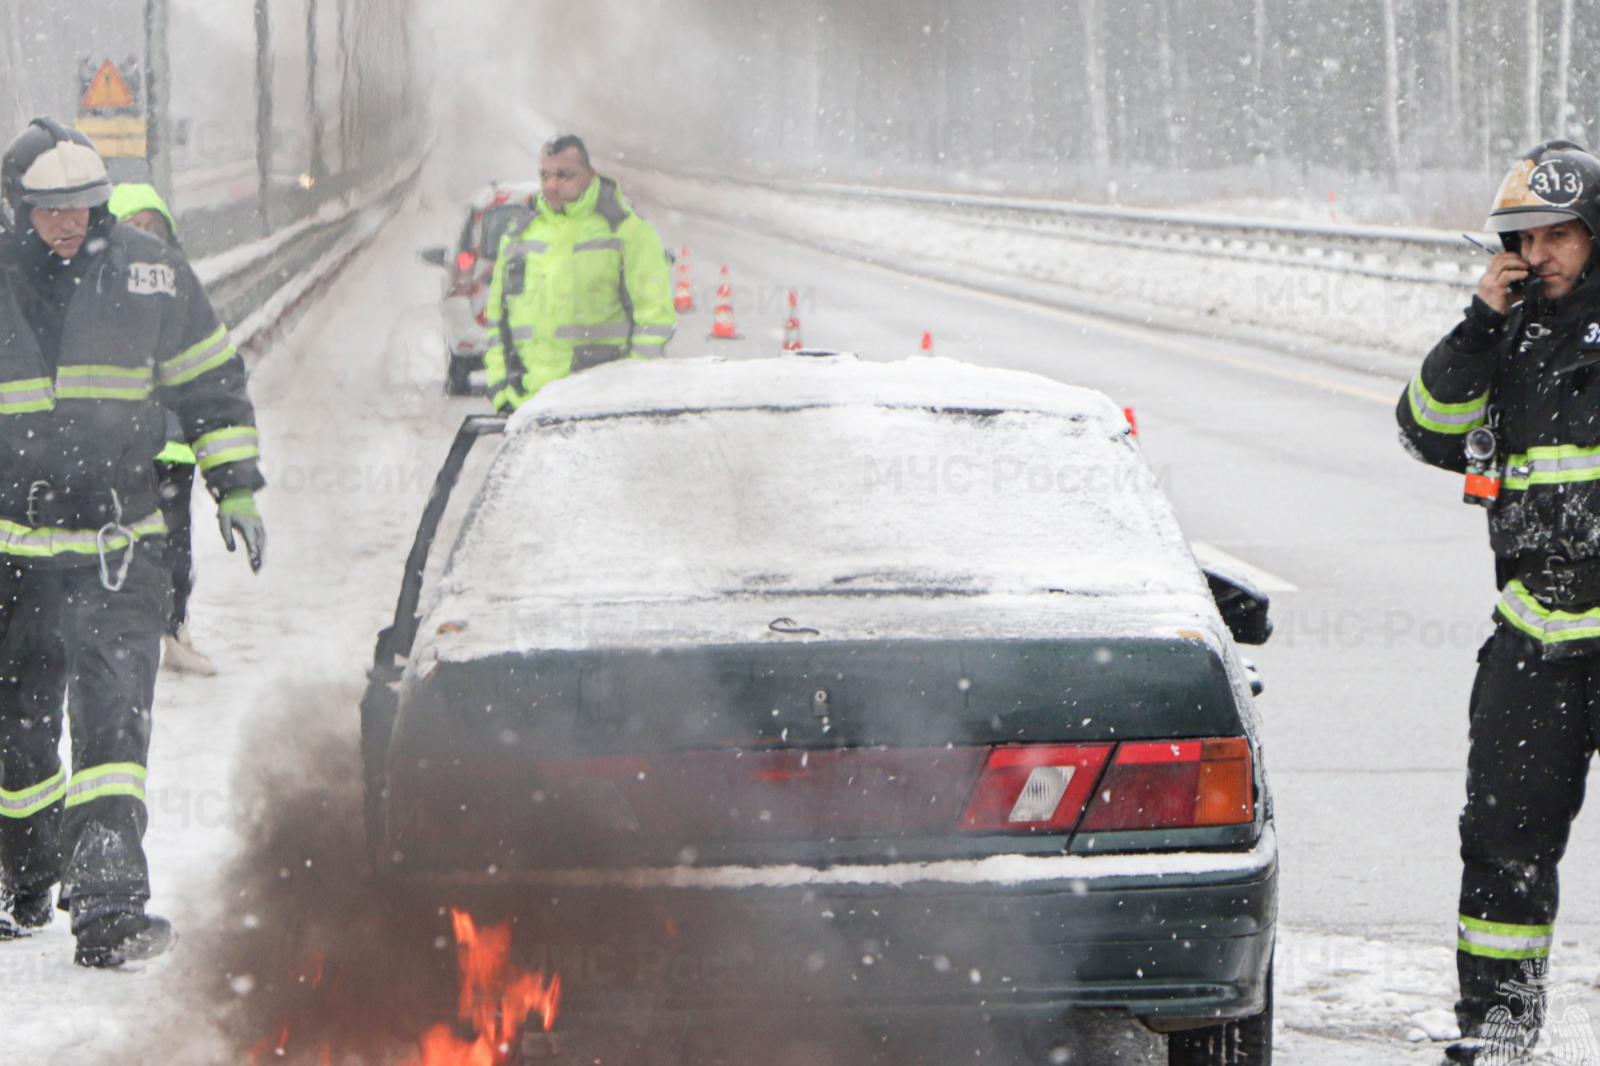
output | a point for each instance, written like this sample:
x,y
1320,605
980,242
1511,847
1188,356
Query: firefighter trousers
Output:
x,y
66,640
1534,723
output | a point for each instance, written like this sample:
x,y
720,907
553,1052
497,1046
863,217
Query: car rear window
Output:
x,y
846,499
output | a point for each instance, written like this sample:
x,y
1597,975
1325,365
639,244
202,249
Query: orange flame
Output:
x,y
270,1044
496,997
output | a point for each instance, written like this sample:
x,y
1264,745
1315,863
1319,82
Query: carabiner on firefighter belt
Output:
x,y
111,529
33,501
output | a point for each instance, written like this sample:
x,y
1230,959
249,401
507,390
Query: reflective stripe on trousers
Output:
x,y
1503,940
112,779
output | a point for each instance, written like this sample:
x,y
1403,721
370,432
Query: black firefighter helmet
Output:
x,y
1551,183
50,166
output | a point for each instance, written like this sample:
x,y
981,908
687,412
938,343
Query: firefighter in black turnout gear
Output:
x,y
102,327
1520,376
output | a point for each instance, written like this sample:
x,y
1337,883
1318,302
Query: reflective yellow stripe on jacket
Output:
x,y
96,382
48,542
1439,417
1560,464
29,394
207,355
27,802
230,445
1547,625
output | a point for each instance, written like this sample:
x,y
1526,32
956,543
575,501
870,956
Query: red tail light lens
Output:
x,y
1180,784
465,262
1034,788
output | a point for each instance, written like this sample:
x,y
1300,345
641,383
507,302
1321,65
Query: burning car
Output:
x,y
816,685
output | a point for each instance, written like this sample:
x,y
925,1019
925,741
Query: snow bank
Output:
x,y
1369,322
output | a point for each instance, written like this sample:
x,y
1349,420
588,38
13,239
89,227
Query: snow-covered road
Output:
x,y
1287,464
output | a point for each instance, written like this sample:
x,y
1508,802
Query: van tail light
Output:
x,y
1177,784
1034,788
464,281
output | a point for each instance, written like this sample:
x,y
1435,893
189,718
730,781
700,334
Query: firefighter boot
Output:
x,y
180,656
112,939
23,912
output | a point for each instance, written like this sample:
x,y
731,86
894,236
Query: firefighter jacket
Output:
x,y
574,289
88,372
1533,377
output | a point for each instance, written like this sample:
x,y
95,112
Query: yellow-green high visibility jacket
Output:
x,y
576,288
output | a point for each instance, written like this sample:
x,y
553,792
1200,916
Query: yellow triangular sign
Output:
x,y
107,90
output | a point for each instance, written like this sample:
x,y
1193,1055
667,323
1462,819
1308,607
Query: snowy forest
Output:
x,y
1380,87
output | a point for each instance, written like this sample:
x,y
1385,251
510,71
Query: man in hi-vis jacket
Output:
x,y
584,283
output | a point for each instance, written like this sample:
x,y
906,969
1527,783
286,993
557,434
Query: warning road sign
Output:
x,y
107,90
108,114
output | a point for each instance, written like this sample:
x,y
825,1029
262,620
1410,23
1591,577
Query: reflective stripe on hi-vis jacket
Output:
x,y
91,382
47,542
1546,625
1559,464
109,779
29,394
209,354
1503,940
1445,417
27,802
229,445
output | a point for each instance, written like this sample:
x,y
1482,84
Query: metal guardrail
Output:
x,y
1393,253
244,279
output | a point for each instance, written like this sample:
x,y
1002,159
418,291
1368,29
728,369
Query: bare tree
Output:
x,y
1391,85
1453,63
1094,70
1533,55
1563,71
1166,81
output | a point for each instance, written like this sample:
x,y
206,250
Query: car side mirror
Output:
x,y
438,256
1243,607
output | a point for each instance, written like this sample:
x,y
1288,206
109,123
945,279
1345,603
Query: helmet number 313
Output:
x,y
1556,181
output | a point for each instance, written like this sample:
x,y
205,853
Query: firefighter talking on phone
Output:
x,y
1511,399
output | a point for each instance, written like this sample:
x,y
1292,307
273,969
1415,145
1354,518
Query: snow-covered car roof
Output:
x,y
503,192
699,500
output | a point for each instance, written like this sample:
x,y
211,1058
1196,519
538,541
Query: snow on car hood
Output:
x,y
683,500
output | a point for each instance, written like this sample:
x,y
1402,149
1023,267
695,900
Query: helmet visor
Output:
x,y
1515,220
66,199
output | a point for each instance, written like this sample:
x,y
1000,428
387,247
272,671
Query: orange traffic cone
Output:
x,y
722,325
927,344
683,291
791,325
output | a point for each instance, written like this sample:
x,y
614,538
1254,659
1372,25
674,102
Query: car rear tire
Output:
x,y
1242,1042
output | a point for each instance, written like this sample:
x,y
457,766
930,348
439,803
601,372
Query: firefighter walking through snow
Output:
x,y
1517,385
101,327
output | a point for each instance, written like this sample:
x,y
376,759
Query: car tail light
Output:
x,y
465,262
1177,784
1034,788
